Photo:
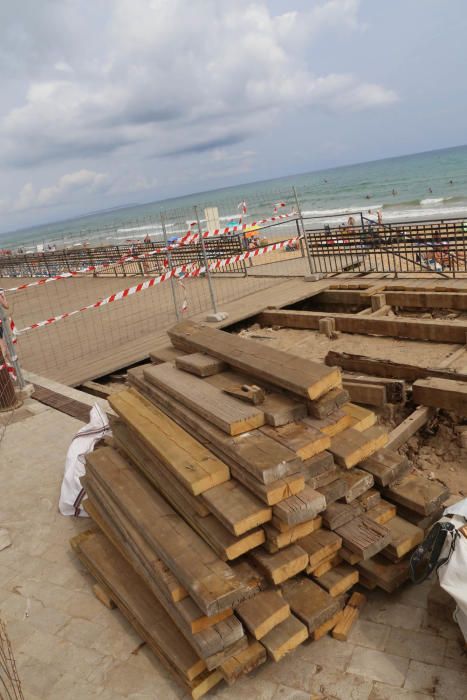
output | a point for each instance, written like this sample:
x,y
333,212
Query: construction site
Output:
x,y
281,421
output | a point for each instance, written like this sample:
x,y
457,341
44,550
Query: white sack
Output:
x,y
453,574
82,443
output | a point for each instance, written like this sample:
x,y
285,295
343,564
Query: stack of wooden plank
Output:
x,y
239,501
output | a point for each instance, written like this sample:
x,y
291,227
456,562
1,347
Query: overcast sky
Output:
x,y
118,101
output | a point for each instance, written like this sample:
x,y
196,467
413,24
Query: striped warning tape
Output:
x,y
189,238
181,272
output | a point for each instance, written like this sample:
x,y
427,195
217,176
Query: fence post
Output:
x,y
169,259
313,276
10,347
216,315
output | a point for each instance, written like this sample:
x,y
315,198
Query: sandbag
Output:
x,y
71,493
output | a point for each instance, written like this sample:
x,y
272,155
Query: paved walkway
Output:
x,y
69,647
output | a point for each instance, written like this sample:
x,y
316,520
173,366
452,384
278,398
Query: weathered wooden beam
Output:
x,y
441,393
409,427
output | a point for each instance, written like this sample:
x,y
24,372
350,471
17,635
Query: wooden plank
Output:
x,y
409,427
278,539
317,465
351,447
272,493
265,459
386,466
369,499
364,537
304,506
209,581
320,545
244,662
348,556
448,394
230,415
333,491
423,521
309,602
417,493
369,394
103,391
404,537
348,617
300,438
384,573
330,563
282,565
338,514
328,403
357,482
331,425
285,637
382,513
419,329
388,368
199,364
394,388
195,466
166,353
104,596
236,507
263,612
326,627
302,377
339,579
250,393
324,479
362,418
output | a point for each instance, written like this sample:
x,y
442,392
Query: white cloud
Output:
x,y
66,187
174,77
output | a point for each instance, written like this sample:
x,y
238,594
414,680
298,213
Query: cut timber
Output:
x,y
320,545
195,466
394,388
382,513
364,537
409,427
419,329
326,627
272,493
348,556
338,514
388,368
327,404
302,377
304,506
300,438
283,565
243,662
324,479
328,564
137,603
357,482
237,508
386,466
166,353
348,617
404,538
369,499
250,393
333,491
280,409
209,581
278,539
282,526
351,447
339,579
418,494
331,425
423,521
263,612
104,596
175,590
369,394
230,415
251,578
265,459
100,390
441,393
383,573
310,603
199,364
317,465
362,418
285,638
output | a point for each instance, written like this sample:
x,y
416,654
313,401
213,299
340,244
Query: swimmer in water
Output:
x,y
394,192
430,190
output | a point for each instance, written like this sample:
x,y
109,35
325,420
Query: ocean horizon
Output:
x,y
431,184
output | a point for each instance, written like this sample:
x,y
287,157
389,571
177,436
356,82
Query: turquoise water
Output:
x,y
399,187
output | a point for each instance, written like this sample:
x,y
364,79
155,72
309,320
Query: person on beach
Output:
x,y
380,217
3,345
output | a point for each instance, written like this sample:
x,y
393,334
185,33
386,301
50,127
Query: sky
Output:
x,y
123,101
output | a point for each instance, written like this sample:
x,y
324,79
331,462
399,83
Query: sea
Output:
x,y
429,185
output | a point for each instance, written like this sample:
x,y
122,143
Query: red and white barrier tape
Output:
x,y
10,369
180,273
189,238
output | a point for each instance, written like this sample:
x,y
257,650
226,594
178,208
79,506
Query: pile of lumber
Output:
x,y
238,502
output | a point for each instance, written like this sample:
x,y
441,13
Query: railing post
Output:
x,y
169,259
216,315
313,276
10,347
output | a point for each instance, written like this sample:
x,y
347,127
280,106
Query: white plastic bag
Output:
x,y
453,574
83,442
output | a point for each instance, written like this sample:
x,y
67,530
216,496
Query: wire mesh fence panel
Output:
x,y
10,685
